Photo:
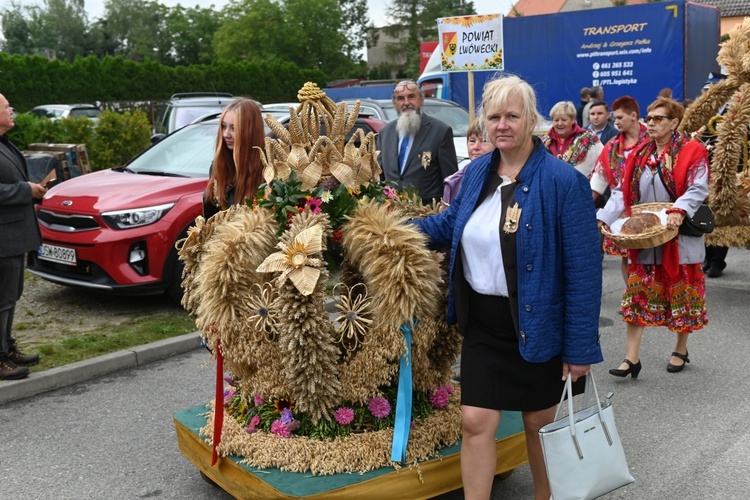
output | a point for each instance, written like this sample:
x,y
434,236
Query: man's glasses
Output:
x,y
405,86
655,118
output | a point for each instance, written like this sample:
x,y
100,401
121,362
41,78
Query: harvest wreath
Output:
x,y
729,187
342,377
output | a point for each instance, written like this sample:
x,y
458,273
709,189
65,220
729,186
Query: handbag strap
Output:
x,y
671,194
568,391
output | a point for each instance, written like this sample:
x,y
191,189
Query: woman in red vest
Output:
x,y
665,285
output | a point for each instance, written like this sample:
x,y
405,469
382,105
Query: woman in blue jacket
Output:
x,y
525,283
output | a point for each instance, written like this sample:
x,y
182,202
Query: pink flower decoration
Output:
x,y
450,388
439,398
258,400
389,192
379,407
253,425
280,429
344,416
314,204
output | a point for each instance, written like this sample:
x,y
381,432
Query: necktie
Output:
x,y
402,154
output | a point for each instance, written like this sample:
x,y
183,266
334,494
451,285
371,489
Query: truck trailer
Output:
x,y
634,50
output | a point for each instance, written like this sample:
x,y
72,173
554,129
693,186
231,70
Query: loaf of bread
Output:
x,y
639,223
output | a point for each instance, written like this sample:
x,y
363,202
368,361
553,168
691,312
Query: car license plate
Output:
x,y
54,253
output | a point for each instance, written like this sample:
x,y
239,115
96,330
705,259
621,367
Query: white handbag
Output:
x,y
582,451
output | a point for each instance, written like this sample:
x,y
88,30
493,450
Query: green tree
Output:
x,y
309,33
136,29
16,30
415,21
192,31
250,31
355,25
57,29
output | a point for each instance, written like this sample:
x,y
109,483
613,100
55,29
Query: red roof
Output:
x,y
536,7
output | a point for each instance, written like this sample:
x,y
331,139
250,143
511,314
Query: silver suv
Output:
x,y
182,109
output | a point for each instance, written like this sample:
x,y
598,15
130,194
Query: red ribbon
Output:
x,y
218,403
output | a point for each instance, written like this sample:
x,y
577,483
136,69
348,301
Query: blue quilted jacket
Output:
x,y
559,260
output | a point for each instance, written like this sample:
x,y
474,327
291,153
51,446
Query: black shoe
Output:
x,y
11,371
678,368
22,359
633,369
713,272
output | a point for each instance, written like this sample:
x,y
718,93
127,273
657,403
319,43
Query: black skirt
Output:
x,y
493,373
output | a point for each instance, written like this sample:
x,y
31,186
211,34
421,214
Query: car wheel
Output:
x,y
174,290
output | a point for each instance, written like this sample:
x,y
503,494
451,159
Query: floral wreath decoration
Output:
x,y
318,372
729,186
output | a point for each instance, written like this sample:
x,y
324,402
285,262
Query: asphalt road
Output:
x,y
685,434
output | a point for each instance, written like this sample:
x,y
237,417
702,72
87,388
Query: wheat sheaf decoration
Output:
x,y
726,137
304,291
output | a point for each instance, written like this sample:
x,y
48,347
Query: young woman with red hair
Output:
x,y
236,172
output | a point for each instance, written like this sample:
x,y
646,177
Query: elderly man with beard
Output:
x,y
416,150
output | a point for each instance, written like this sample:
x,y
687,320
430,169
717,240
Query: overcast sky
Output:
x,y
95,8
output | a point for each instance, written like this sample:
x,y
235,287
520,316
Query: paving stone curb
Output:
x,y
82,371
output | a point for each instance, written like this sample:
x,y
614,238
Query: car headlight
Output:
x,y
136,217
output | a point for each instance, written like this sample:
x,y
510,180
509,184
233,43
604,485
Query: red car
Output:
x,y
115,230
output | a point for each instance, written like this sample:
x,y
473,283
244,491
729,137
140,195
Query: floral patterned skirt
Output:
x,y
611,248
653,299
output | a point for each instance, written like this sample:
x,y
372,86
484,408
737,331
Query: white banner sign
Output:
x,y
471,42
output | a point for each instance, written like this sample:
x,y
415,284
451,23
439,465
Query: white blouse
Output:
x,y
480,246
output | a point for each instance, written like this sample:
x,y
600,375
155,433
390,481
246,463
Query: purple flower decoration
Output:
x,y
314,204
229,380
228,393
389,192
258,400
439,398
344,416
253,425
286,416
280,429
379,407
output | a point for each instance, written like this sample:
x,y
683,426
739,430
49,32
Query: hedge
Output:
x,y
28,81
111,142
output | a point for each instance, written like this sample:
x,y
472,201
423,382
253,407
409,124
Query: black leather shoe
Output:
x,y
678,368
633,369
22,359
713,272
11,371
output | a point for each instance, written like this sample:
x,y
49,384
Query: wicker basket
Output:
x,y
652,237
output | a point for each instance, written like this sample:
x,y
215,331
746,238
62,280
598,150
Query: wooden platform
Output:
x,y
440,475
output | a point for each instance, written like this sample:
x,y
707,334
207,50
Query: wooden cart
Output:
x,y
440,475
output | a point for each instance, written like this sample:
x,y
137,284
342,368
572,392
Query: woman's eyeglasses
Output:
x,y
656,119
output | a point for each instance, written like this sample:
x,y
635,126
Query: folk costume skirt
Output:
x,y
652,298
493,373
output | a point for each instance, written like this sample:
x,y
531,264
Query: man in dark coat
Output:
x,y
19,233
416,150
599,118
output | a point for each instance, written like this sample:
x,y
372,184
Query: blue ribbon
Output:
x,y
402,425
